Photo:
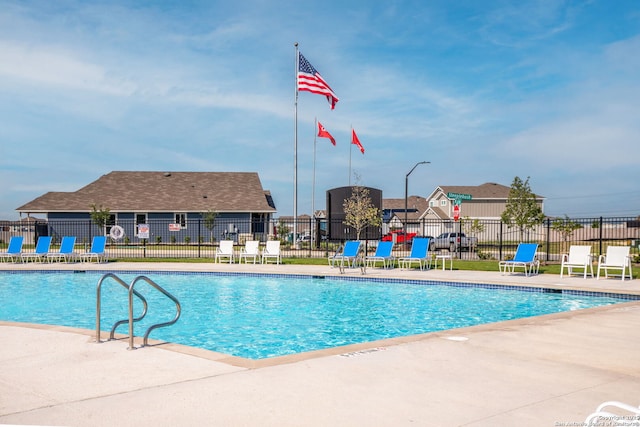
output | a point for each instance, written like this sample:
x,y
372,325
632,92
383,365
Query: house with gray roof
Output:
x,y
434,214
172,202
487,201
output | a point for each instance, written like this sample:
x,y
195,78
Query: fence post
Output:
x,y
500,243
600,237
199,236
548,220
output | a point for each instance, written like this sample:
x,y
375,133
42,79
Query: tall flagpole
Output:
x,y
295,151
313,184
350,144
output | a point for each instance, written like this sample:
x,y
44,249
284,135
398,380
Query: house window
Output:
x,y
432,203
443,202
181,218
111,221
140,219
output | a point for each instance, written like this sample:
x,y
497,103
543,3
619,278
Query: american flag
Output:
x,y
310,80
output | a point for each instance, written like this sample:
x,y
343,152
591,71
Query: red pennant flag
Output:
x,y
356,141
322,133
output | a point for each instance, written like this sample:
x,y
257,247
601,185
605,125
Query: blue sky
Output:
x,y
484,90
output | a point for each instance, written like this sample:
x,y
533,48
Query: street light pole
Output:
x,y
406,194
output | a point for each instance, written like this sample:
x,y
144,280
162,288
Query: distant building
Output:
x,y
178,198
487,202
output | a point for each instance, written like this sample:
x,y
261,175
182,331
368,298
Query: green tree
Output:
x,y
565,227
282,229
360,212
209,218
522,210
100,216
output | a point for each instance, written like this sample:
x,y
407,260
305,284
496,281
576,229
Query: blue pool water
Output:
x,y
256,316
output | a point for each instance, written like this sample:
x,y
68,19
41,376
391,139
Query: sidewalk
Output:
x,y
545,371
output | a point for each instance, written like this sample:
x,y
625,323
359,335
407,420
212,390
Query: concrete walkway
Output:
x,y
546,371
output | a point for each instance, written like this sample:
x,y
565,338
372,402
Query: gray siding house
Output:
x,y
170,204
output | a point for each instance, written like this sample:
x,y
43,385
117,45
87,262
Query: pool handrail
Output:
x,y
99,304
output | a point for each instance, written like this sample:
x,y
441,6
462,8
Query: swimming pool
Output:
x,y
261,316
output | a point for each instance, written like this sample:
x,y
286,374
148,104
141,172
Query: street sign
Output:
x,y
459,196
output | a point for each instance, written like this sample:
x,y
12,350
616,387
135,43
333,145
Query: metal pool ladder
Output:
x,y
131,319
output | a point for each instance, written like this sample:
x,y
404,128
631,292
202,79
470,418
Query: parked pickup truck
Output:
x,y
453,241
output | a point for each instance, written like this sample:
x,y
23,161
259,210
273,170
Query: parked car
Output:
x,y
453,241
399,237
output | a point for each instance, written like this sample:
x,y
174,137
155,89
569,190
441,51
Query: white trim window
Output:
x,y
140,218
181,218
443,202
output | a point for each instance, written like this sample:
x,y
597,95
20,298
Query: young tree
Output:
x,y
209,218
522,211
360,211
282,230
100,216
472,227
565,227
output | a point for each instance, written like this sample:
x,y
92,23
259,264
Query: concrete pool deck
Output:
x,y
546,371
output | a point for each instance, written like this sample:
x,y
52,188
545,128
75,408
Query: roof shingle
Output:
x,y
162,192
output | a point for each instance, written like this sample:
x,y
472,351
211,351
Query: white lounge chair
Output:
x,y
271,251
578,257
225,251
617,258
250,250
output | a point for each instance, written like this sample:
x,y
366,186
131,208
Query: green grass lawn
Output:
x,y
488,265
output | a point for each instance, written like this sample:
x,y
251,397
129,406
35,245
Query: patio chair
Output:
x,y
14,249
383,254
271,251
419,253
42,249
225,251
66,252
617,258
97,251
578,257
525,257
250,250
350,252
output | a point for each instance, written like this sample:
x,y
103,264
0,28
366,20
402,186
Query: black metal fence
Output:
x,y
192,239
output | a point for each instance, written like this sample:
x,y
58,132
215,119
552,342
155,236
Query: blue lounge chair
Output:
x,y
42,249
525,257
349,254
383,254
97,251
66,252
419,253
14,250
